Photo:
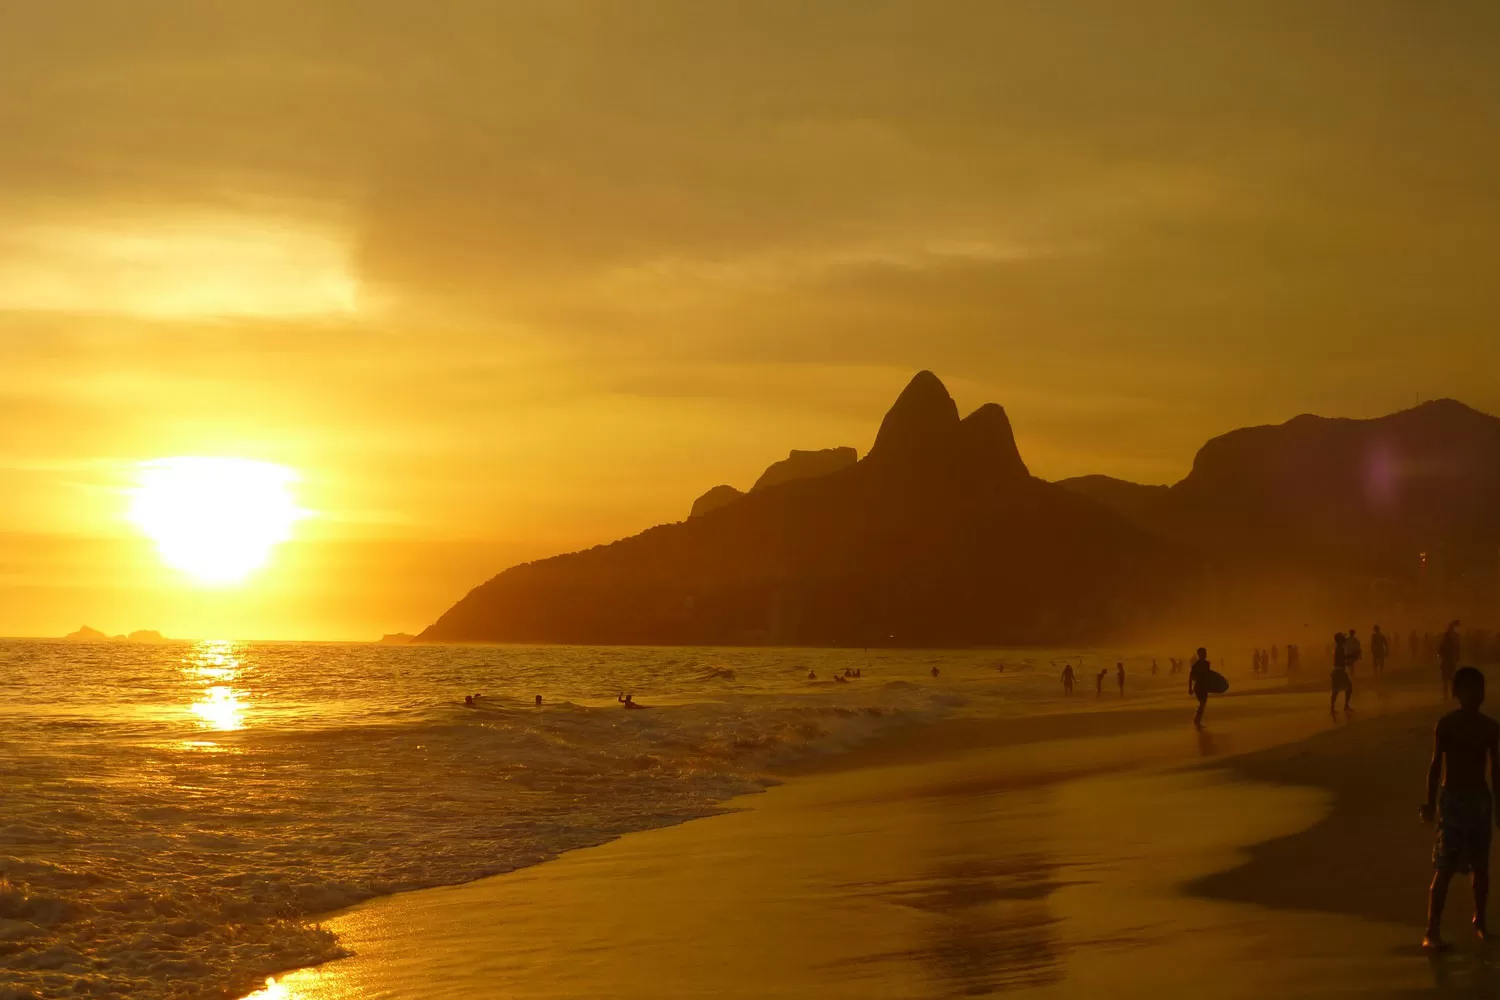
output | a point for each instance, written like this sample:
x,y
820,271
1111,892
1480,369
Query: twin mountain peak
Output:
x,y
922,428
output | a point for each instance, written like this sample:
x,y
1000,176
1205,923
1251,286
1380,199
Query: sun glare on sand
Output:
x,y
216,519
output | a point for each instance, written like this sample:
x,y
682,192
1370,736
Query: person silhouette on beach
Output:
x,y
1341,681
1198,684
1353,652
1447,649
1120,677
1067,678
1380,648
1099,683
1464,742
1153,666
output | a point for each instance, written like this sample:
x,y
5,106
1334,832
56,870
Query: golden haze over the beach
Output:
x,y
499,282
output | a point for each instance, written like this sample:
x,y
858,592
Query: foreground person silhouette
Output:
x,y
1464,742
1067,678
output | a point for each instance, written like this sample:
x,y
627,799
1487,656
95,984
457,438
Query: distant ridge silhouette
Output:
x,y
1326,496
938,536
720,496
805,465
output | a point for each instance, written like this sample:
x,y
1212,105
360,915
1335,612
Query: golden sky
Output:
x,y
501,280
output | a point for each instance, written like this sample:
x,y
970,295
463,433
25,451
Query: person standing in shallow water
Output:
x,y
1464,742
1198,684
1067,678
1120,677
1099,683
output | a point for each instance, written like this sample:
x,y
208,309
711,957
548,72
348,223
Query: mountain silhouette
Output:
x,y
805,465
720,496
1331,497
938,536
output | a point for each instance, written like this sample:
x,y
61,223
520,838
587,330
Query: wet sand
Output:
x,y
1276,854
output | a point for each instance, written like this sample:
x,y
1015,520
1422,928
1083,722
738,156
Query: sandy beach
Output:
x,y
1097,853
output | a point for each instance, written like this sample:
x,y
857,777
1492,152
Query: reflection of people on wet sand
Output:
x,y
1067,678
1198,681
1464,742
1341,681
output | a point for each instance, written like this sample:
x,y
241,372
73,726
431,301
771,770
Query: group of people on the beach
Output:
x,y
1466,744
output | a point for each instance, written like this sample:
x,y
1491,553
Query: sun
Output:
x,y
216,519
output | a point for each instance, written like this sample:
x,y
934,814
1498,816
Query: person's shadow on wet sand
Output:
x,y
1460,974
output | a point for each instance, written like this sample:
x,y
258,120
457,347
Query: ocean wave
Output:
x,y
176,839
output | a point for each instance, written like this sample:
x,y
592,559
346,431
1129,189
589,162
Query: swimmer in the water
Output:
x,y
469,700
841,678
628,700
934,671
812,675
538,701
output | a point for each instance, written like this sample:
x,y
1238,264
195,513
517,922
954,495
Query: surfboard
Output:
x,y
1216,683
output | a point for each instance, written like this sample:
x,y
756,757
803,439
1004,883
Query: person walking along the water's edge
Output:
x,y
1198,684
1341,681
1464,742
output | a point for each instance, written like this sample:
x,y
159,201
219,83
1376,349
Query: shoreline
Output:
x,y
570,906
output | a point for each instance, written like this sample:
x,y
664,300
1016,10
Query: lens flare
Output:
x,y
216,519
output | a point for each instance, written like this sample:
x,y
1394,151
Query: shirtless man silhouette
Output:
x,y
1465,741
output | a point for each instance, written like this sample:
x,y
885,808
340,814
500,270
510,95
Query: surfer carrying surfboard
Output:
x,y
1203,681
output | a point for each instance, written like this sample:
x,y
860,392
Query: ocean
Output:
x,y
173,815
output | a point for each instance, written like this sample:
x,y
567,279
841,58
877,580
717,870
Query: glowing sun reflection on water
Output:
x,y
218,706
